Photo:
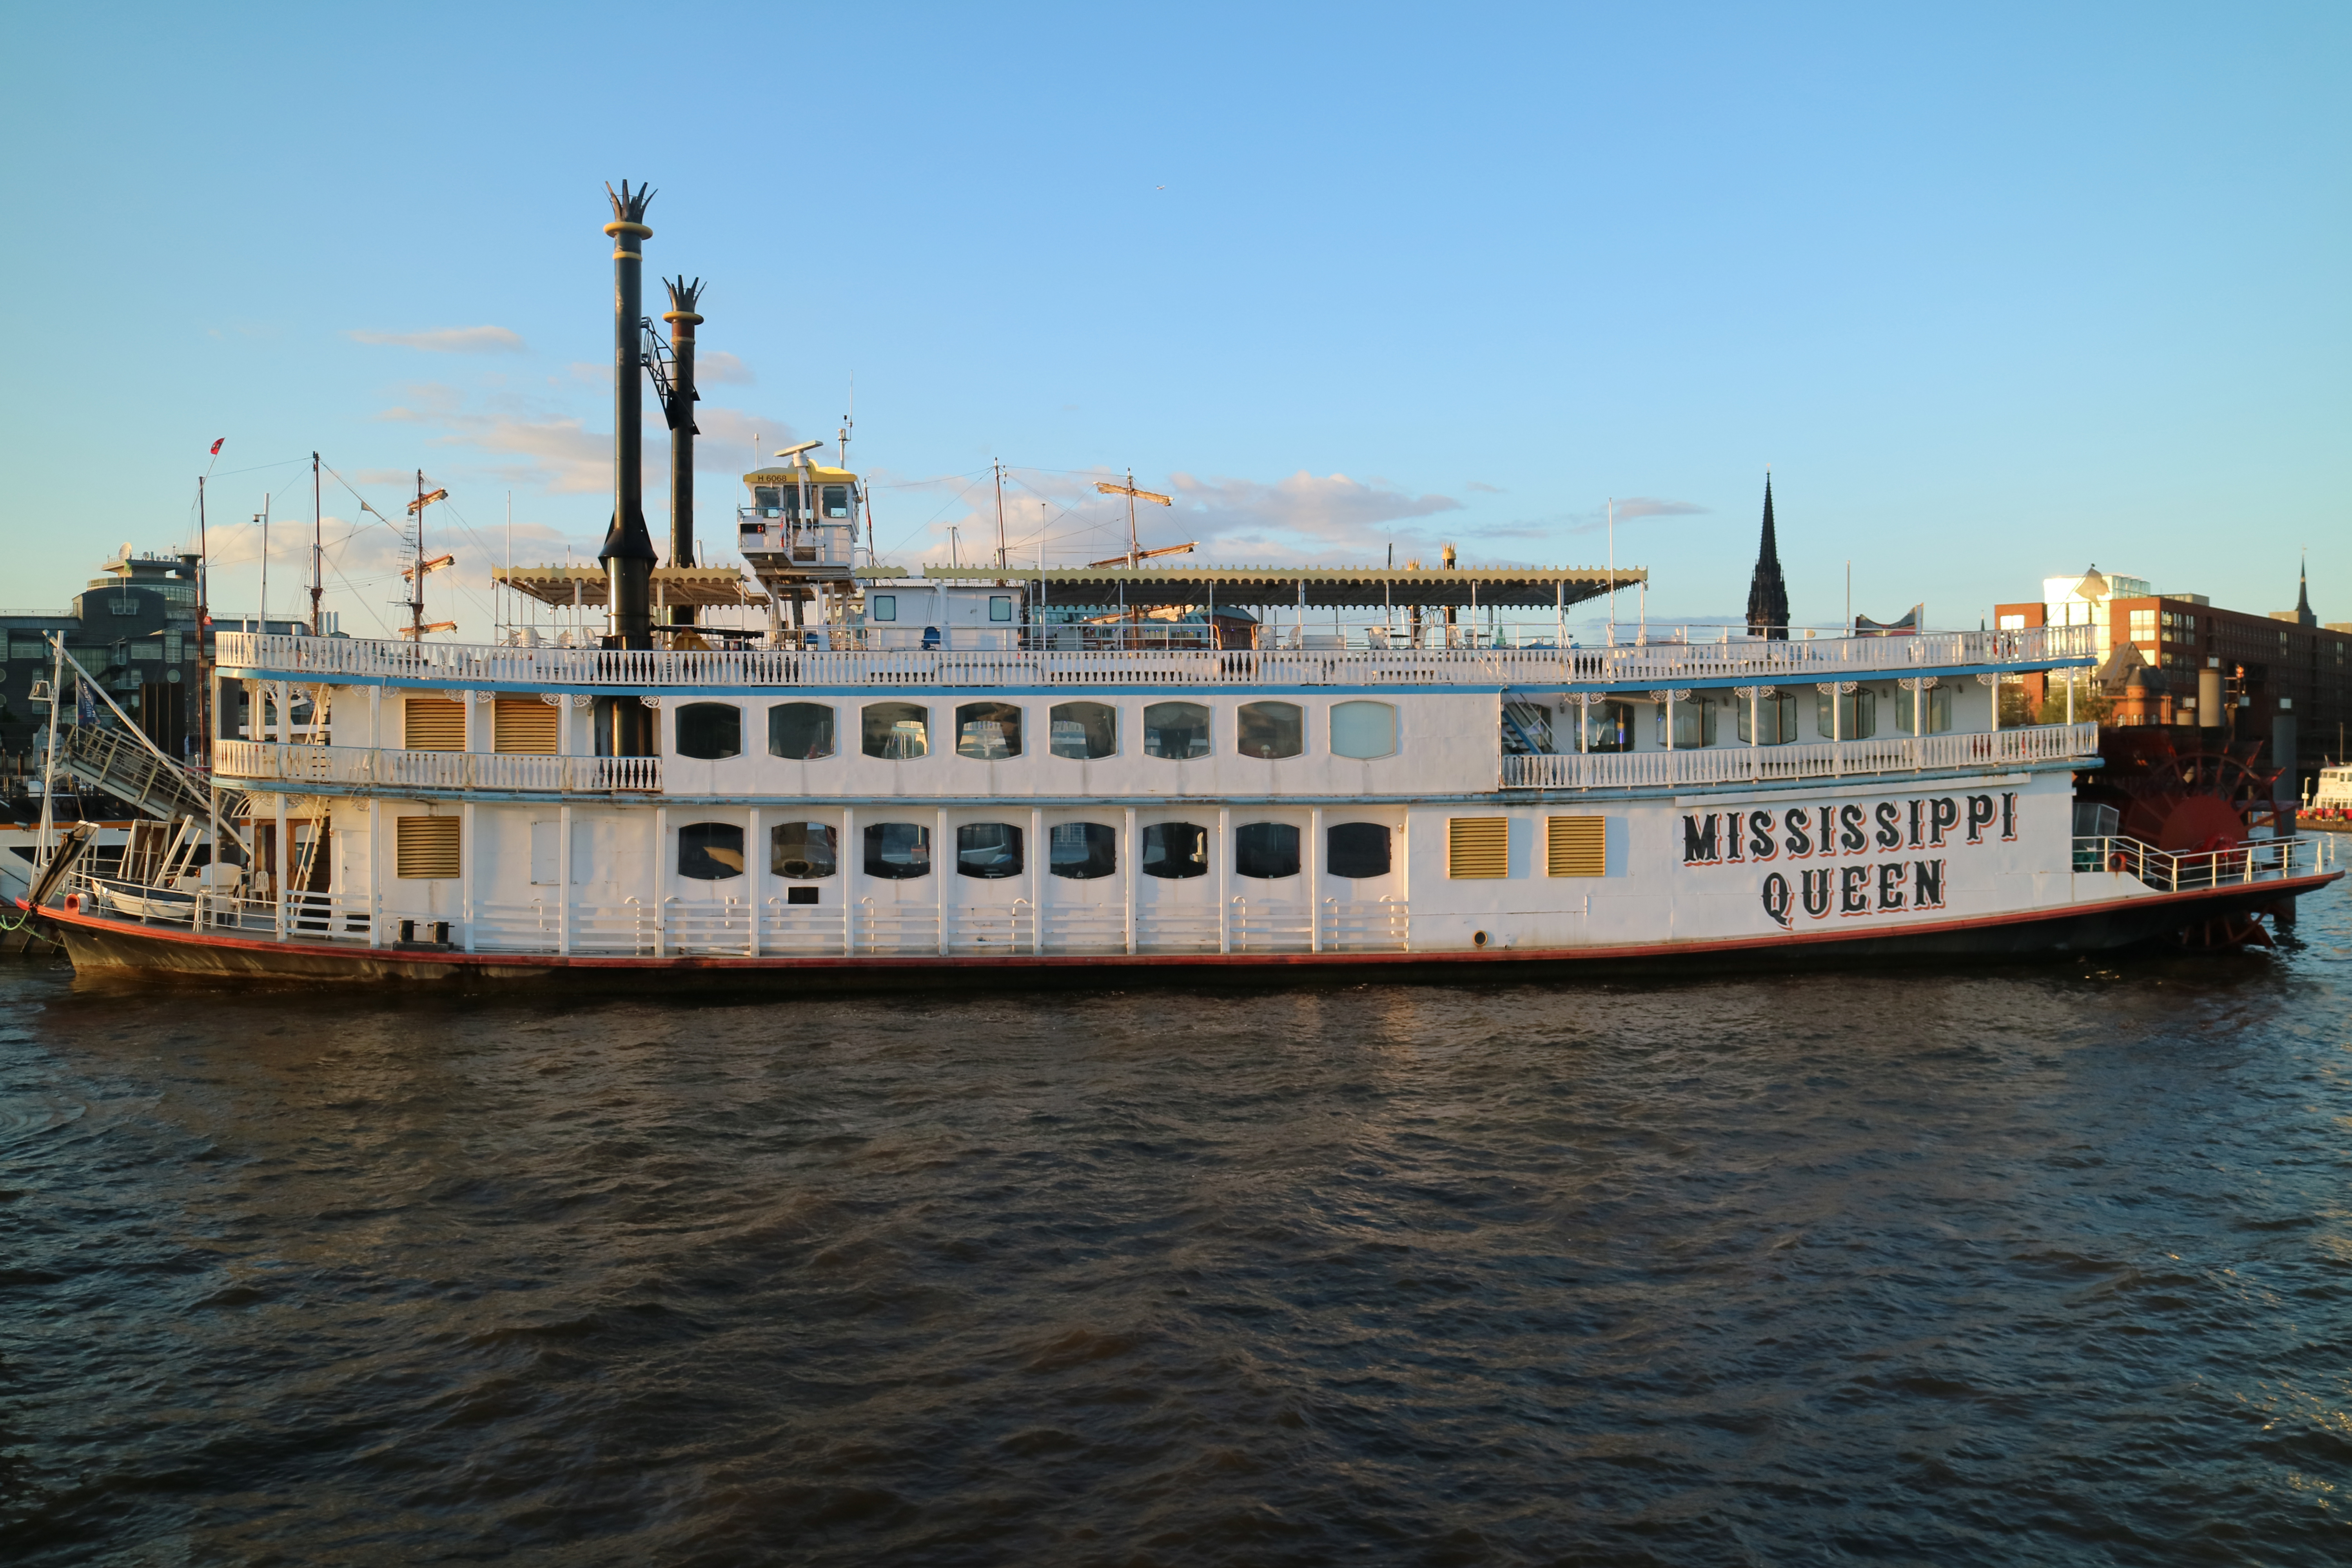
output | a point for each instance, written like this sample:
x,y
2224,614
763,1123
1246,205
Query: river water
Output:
x,y
2025,1264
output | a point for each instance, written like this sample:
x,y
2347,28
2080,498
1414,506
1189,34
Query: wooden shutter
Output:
x,y
1478,847
426,846
433,724
1576,847
522,725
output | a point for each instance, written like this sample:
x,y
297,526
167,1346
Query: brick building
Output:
x,y
2283,680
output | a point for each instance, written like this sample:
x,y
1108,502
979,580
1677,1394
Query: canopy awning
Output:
x,y
704,587
1323,587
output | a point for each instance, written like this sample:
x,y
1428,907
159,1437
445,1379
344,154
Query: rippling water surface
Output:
x,y
2019,1265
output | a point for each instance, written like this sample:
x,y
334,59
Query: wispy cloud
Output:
x,y
716,366
1629,509
446,340
1485,488
535,446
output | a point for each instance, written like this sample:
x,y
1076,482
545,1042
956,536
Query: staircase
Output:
x,y
1526,730
121,764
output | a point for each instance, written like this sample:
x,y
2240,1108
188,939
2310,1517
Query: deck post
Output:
x,y
468,849
1224,880
1037,869
285,862
661,881
942,862
1128,855
563,880
754,873
374,868
1312,870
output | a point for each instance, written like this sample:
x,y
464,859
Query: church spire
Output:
x,y
2302,611
1767,595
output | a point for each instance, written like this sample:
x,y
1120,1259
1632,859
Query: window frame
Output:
x,y
866,740
1097,835
873,845
997,873
778,867
1334,857
704,707
1332,722
831,731
1053,747
1017,737
1244,716
1208,731
716,832
1150,832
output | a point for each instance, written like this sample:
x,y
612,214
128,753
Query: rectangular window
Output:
x,y
147,650
2143,625
2012,623
882,606
426,846
23,648
1576,847
1000,606
433,724
546,846
523,725
1478,847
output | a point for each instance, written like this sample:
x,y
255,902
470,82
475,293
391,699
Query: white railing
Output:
x,y
1829,759
1759,660
1382,927
2171,871
270,763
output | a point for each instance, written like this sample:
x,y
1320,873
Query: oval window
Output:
x,y
1270,730
1175,849
1083,851
988,732
710,851
710,729
1362,729
896,730
989,849
897,851
1084,730
800,730
1265,849
1356,849
1178,731
802,851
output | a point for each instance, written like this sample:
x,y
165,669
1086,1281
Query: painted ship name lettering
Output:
x,y
1891,883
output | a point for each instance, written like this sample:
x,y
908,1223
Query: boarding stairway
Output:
x,y
124,766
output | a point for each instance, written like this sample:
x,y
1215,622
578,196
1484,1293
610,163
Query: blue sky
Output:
x,y
1996,291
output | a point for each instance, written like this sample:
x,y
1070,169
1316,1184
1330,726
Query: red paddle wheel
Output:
x,y
2191,800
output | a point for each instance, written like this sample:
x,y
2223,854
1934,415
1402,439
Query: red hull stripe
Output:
x,y
1185,960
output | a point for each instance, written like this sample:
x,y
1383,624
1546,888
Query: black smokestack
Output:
x,y
679,408
628,552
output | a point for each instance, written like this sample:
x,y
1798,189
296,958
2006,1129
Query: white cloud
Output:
x,y
448,340
1485,488
538,447
716,366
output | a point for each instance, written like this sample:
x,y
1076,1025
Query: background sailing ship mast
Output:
x,y
417,625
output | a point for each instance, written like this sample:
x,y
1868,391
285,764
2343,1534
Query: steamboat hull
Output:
x,y
121,950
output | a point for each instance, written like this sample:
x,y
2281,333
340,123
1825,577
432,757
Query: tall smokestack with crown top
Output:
x,y
628,552
678,403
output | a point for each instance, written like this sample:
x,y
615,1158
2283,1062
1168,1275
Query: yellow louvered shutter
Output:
x,y
522,725
426,846
1478,847
1576,847
433,724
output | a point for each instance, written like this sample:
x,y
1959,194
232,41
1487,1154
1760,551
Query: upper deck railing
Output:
x,y
1629,665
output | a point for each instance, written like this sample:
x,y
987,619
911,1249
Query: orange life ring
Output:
x,y
2115,862
72,903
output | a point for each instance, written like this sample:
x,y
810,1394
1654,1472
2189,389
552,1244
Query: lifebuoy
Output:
x,y
2115,862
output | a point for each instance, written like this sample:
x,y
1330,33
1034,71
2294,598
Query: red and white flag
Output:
x,y
216,447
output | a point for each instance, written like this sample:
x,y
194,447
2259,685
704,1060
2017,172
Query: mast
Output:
x,y
203,621
416,587
318,575
1131,546
999,516
264,520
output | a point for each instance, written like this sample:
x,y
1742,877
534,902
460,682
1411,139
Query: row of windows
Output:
x,y
1476,846
994,732
1771,720
1082,851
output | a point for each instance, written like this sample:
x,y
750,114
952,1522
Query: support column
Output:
x,y
661,881
943,863
563,875
1134,870
1038,855
469,846
374,871
755,872
285,863
848,861
1224,880
1312,871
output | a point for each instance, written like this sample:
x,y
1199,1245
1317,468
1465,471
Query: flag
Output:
x,y
216,447
85,708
